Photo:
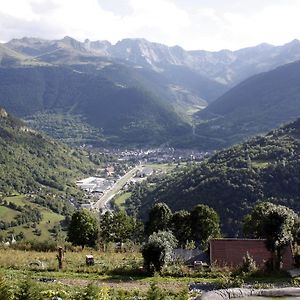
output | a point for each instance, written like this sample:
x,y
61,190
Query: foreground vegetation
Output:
x,y
114,276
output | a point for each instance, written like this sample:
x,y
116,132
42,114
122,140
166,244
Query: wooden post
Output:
x,y
60,257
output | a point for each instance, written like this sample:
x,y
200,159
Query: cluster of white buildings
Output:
x,y
95,184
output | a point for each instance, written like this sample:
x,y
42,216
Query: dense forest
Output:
x,y
232,180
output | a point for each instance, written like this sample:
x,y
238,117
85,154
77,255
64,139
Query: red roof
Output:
x,y
230,252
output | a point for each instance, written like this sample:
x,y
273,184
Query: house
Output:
x,y
145,172
190,257
230,252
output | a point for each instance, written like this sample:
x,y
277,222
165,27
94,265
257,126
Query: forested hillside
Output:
x,y
31,162
233,180
126,115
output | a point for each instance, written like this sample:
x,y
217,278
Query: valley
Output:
x,y
97,93
123,165
134,166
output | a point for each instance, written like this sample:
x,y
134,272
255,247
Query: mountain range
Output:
x,y
141,93
225,66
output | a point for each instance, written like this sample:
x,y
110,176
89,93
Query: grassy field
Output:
x,y
7,214
117,270
17,199
120,199
49,220
260,164
161,167
118,273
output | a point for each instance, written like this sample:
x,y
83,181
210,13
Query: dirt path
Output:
x,y
126,285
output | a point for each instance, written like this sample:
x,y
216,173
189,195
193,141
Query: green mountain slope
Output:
x,y
124,115
31,162
257,105
233,180
170,80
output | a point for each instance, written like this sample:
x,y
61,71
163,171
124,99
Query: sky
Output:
x,y
191,24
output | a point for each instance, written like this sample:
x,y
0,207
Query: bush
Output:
x,y
92,292
40,246
155,293
27,291
5,290
248,264
232,282
158,251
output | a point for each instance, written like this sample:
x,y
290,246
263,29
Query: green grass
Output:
x,y
49,219
121,199
7,214
119,270
260,164
19,200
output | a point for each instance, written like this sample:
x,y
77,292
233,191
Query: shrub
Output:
x,y
248,264
92,292
158,251
27,291
39,246
5,290
155,293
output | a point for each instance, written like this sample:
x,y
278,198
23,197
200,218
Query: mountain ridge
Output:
x,y
224,66
232,181
258,104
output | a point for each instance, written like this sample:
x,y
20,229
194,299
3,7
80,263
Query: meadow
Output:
x,y
116,275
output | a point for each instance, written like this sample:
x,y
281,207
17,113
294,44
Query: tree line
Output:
x,y
199,225
164,230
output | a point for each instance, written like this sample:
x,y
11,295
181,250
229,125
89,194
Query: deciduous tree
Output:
x,y
205,224
159,218
275,223
83,229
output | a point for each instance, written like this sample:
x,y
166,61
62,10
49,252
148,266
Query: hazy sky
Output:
x,y
192,24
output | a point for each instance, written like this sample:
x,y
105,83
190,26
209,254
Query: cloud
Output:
x,y
275,24
118,7
193,24
159,20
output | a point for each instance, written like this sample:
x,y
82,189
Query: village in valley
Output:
x,y
131,167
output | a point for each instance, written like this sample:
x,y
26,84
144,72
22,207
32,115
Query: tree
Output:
x,y
106,223
83,229
181,226
205,224
275,223
119,227
159,218
158,250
